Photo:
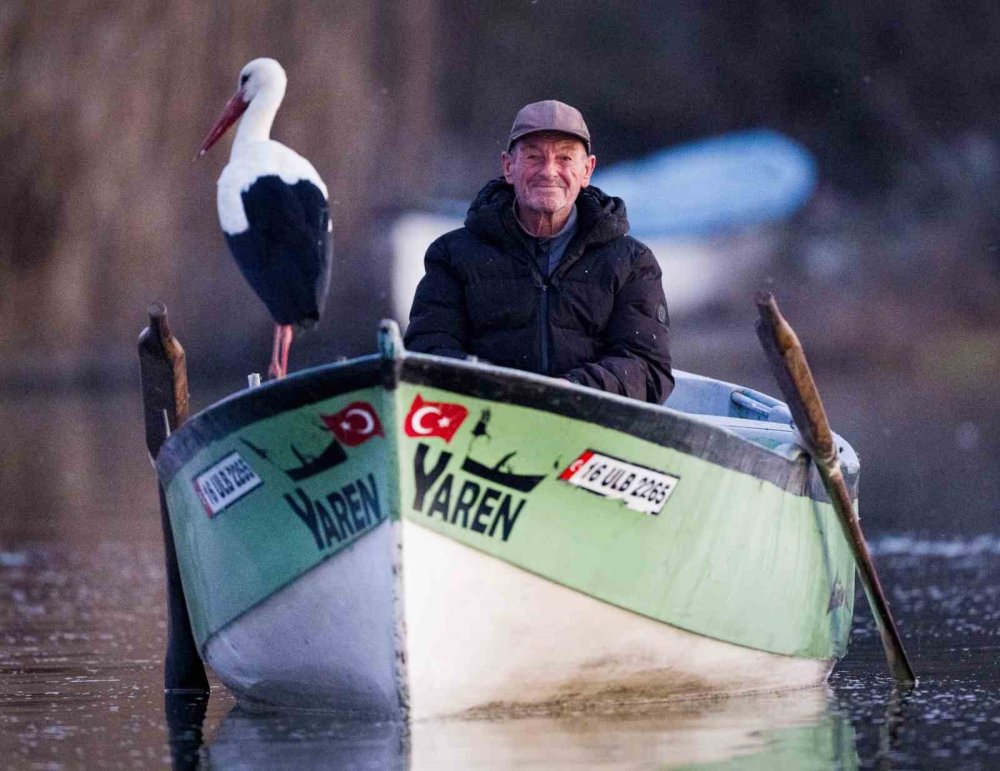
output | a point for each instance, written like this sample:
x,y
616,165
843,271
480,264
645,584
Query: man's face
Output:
x,y
547,172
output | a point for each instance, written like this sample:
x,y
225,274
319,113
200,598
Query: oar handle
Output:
x,y
794,376
164,379
165,407
788,361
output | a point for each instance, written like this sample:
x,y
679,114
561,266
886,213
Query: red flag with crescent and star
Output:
x,y
428,419
356,423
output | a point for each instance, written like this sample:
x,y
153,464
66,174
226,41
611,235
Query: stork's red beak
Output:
x,y
235,107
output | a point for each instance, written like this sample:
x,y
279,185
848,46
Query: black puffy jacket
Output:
x,y
600,319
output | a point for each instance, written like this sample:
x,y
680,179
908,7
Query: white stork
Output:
x,y
273,209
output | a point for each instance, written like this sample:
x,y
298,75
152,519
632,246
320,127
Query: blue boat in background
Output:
x,y
715,184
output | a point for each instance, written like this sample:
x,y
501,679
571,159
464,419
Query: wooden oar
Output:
x,y
788,362
165,404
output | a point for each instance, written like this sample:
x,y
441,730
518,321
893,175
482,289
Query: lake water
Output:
x,y
82,631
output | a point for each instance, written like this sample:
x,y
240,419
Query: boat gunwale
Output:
x,y
664,426
707,440
250,405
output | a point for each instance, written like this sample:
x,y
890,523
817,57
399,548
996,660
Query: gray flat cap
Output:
x,y
550,115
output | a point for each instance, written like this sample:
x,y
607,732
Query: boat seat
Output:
x,y
750,414
699,395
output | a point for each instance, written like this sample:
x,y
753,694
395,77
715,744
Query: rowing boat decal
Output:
x,y
351,426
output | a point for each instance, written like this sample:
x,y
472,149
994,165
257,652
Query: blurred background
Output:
x,y
890,270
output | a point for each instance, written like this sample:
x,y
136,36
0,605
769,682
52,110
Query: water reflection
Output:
x,y
185,716
793,730
889,734
297,740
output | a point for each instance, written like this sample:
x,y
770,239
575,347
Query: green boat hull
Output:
x,y
665,517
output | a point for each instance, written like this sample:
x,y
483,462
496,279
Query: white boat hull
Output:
x,y
527,644
327,640
531,645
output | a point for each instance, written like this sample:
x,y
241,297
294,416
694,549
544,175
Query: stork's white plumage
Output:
x,y
273,209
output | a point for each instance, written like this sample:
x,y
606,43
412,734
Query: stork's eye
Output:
x,y
244,79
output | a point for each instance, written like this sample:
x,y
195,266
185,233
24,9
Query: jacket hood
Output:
x,y
600,217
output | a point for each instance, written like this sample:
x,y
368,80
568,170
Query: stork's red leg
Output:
x,y
279,355
286,345
276,371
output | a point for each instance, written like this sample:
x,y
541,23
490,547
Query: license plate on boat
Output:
x,y
225,482
640,488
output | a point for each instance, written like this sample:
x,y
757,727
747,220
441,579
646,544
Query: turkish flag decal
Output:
x,y
356,423
428,419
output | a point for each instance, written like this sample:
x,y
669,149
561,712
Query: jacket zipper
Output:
x,y
543,315
544,321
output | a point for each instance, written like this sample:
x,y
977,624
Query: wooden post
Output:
x,y
165,407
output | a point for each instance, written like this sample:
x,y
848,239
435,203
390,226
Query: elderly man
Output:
x,y
544,276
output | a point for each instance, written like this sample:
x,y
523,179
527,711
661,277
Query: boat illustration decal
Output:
x,y
225,482
524,483
640,488
351,426
481,507
309,465
429,419
500,472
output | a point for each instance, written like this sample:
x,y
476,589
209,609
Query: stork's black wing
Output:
x,y
285,253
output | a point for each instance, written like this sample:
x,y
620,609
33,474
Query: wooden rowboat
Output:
x,y
407,535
